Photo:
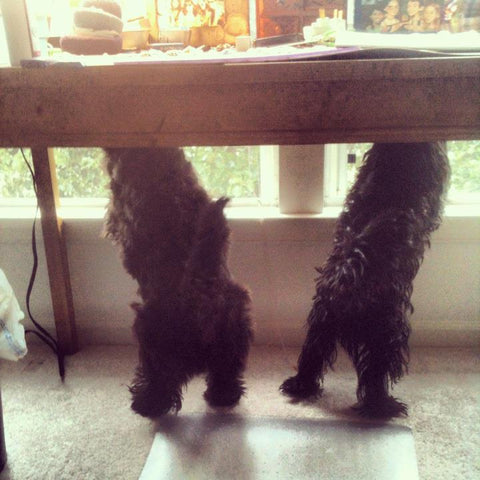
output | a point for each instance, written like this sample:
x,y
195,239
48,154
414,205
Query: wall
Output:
x,y
275,257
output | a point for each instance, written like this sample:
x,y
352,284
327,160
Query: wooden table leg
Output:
x,y
55,249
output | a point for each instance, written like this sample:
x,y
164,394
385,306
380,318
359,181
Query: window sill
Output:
x,y
248,224
97,210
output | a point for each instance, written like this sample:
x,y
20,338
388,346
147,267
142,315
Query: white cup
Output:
x,y
323,25
243,43
308,33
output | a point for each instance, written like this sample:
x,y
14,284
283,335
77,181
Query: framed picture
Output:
x,y
280,17
211,22
408,16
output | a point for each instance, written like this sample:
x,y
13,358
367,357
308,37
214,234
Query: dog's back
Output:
x,y
400,176
389,213
152,214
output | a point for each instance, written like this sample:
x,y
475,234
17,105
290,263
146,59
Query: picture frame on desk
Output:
x,y
286,17
211,22
416,16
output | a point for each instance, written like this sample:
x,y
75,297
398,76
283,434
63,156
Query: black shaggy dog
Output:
x,y
193,317
363,291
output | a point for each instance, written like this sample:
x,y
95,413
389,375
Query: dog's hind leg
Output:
x,y
318,353
227,358
155,393
380,361
225,328
225,384
164,366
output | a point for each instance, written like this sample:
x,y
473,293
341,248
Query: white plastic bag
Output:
x,y
12,333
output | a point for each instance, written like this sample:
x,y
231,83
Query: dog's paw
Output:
x,y
296,387
382,408
218,396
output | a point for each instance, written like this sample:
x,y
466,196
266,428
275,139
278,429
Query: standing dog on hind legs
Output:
x,y
363,291
193,317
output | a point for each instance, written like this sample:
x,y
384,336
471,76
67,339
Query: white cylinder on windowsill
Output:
x,y
301,178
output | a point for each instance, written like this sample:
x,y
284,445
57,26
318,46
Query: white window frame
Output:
x,y
335,174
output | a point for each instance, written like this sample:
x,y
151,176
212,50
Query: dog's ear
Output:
x,y
221,203
212,224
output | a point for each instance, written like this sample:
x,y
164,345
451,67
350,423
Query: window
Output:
x,y
465,162
342,161
245,174
249,175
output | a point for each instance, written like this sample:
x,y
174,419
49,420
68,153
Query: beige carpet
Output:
x,y
83,429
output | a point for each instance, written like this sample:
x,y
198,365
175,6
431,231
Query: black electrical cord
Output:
x,y
40,332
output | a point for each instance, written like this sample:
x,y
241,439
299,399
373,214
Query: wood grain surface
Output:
x,y
241,104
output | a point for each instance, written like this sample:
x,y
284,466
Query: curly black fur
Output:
x,y
363,290
193,317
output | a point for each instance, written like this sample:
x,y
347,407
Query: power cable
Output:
x,y
40,332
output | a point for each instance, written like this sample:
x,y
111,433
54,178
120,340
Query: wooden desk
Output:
x,y
397,100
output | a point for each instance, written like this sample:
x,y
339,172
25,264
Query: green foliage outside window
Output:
x,y
465,162
230,171
15,180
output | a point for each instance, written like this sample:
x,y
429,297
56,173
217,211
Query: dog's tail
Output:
x,y
210,245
